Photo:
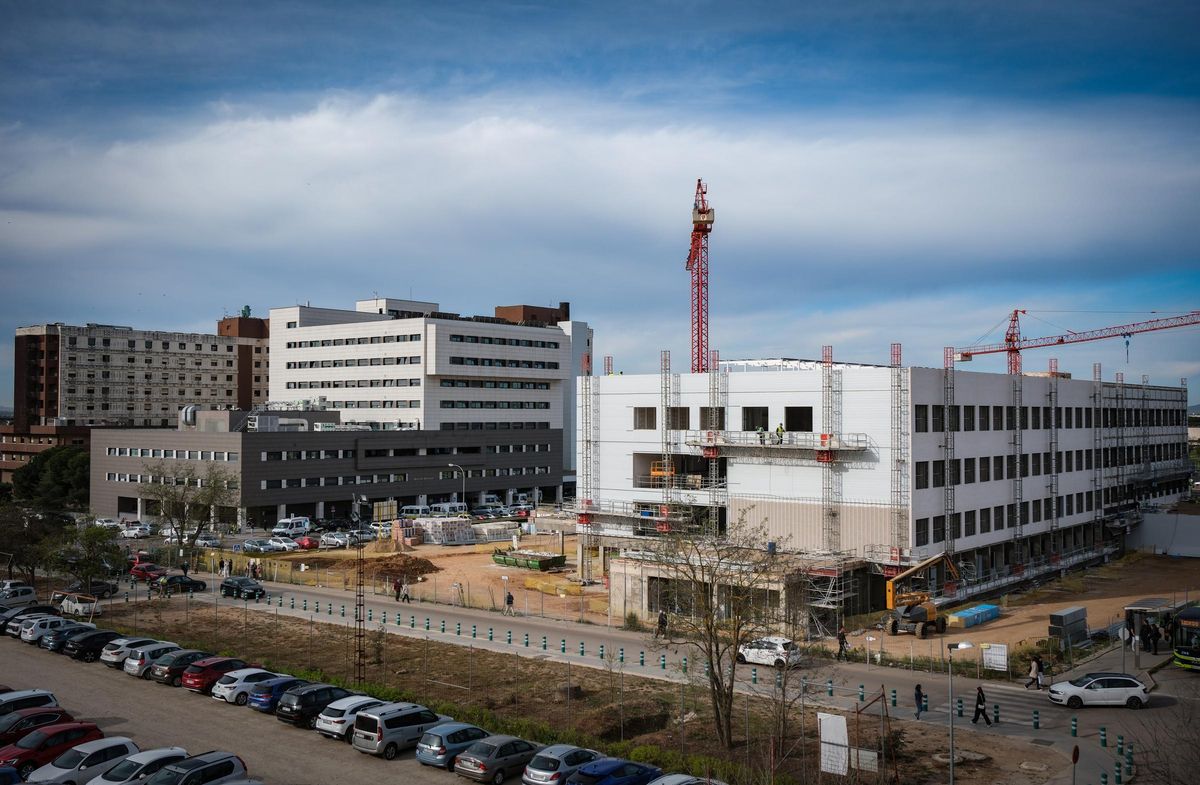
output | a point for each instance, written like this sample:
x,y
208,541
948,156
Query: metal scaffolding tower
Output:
x,y
666,468
949,426
608,365
1098,439
360,604
1053,469
586,489
1015,422
831,426
718,395
900,420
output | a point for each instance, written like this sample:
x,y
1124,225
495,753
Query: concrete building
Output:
x,y
406,365
306,463
868,469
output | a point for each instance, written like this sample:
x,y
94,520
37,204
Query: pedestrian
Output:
x,y
508,604
661,629
221,568
1041,671
404,593
185,568
981,707
843,644
779,434
762,435
920,699
1144,635
1155,637
396,587
1033,672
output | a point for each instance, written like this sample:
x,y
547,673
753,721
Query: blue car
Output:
x,y
441,745
614,771
266,694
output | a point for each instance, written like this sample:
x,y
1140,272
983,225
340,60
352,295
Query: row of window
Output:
x,y
329,482
494,426
354,341
355,363
91,343
494,404
503,341
501,472
964,471
932,417
375,404
179,361
987,519
151,479
407,452
338,384
489,384
491,362
181,455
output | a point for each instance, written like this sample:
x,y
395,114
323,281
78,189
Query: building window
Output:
x,y
969,523
920,418
644,418
938,419
921,481
678,418
985,520
968,467
939,474
921,526
939,528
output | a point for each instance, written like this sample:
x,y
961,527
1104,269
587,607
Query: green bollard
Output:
x,y
1129,760
1074,726
329,609
778,679
829,687
491,634
642,658
443,626
621,655
426,624
1120,745
305,604
412,622
1037,720
754,675
662,662
383,618
581,651
862,693
996,713
893,699
458,628
562,645
543,643
925,702
279,603
601,651
126,596
293,602
527,640
1117,773
1103,736
1104,778
960,707
685,664
473,630
508,638
370,614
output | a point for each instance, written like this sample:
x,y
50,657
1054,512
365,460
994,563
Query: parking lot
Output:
x,y
154,715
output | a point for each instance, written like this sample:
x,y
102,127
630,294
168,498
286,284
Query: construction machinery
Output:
x,y
703,216
910,598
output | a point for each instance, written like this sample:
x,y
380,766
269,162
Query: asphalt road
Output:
x,y
154,715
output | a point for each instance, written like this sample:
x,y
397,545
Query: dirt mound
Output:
x,y
399,565
643,715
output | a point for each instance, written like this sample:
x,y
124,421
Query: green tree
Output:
x,y
23,537
57,479
87,553
185,502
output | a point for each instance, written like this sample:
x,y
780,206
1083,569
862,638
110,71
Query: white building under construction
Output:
x,y
867,469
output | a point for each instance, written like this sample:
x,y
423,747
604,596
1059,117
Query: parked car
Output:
x,y
242,588
307,543
392,727
773,650
57,639
265,695
11,583
234,687
98,589
684,779
141,659
1101,689
440,746
13,628
147,571
136,531
554,764
177,584
33,629
169,668
361,534
335,540
494,758
45,744
259,546
26,699
90,759
209,768
201,675
18,597
337,719
284,544
20,614
208,541
137,768
614,771
114,654
88,646
301,706
15,725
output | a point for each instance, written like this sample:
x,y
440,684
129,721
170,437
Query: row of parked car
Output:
x,y
367,724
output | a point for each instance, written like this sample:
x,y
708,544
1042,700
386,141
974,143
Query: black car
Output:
x,y
54,640
177,584
241,587
98,589
9,614
300,706
87,646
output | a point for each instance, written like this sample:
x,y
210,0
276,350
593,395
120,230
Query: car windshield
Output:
x,y
8,721
168,776
122,771
69,759
544,763
32,741
1082,681
227,680
482,749
332,712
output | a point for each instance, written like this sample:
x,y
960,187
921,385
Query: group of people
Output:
x,y
778,439
400,587
922,699
254,569
1037,672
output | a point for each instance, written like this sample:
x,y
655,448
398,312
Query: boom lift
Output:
x,y
912,610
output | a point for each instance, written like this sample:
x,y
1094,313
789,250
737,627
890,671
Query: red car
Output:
x,y
146,571
22,722
307,543
45,744
201,675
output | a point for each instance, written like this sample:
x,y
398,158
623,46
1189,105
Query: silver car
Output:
x,y
555,763
137,768
494,758
140,659
85,761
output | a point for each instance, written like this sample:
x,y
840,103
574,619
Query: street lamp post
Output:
x,y
464,483
950,648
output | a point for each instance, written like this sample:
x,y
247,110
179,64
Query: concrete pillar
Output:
x,y
422,499
558,497
320,509
141,509
508,497
281,511
241,519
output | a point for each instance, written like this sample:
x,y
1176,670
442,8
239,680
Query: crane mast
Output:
x,y
697,263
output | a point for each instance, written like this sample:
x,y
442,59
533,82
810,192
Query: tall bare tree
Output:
x,y
719,594
187,501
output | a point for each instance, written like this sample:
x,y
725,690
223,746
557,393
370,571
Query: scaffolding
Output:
x,y
718,396
586,489
1053,468
949,426
899,455
1014,423
819,591
831,425
1098,439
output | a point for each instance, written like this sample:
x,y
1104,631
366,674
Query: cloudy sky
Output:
x,y
881,171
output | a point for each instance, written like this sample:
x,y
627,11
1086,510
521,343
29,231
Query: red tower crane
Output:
x,y
1014,343
697,263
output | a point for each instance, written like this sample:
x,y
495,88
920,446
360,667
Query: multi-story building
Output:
x,y
874,468
406,365
68,378
305,463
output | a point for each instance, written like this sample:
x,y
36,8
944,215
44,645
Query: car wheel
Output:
x,y
389,752
177,681
498,777
348,736
25,770
88,656
146,674
450,762
779,664
741,658
1075,702
312,722
240,699
1134,702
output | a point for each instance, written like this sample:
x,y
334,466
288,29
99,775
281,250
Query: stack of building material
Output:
x,y
973,616
493,532
446,531
529,560
1069,624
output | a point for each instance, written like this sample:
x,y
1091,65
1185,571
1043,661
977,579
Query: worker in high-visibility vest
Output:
x,y
779,434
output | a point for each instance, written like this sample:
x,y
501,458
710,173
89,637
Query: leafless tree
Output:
x,y
1170,754
186,501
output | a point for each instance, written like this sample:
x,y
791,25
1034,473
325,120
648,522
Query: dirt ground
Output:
x,y
611,707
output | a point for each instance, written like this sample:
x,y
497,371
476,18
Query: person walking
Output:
x,y
981,707
661,629
920,699
404,596
1041,671
221,568
397,586
508,604
185,568
1155,637
843,644
1033,672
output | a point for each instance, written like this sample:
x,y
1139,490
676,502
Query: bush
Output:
x,y
632,622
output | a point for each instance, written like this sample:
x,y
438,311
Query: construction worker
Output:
x,y
762,435
779,434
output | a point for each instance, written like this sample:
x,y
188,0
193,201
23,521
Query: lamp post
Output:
x,y
464,479
950,649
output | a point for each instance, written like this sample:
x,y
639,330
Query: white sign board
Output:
x,y
835,743
995,656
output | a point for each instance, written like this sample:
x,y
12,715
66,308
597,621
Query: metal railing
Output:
x,y
793,439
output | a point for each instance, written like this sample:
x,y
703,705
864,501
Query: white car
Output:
x,y
234,687
382,529
1101,689
772,650
109,523
335,540
136,531
32,630
114,653
284,543
140,659
208,541
137,768
89,759
337,719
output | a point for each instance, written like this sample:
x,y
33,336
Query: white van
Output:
x,y
491,499
411,511
447,509
292,527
